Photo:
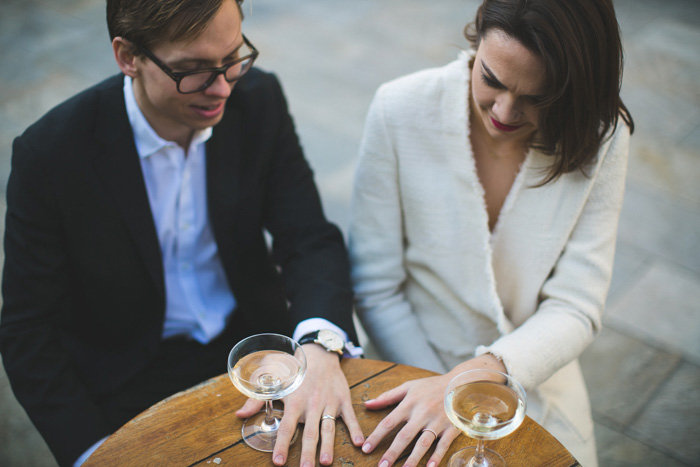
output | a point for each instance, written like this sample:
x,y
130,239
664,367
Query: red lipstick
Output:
x,y
503,126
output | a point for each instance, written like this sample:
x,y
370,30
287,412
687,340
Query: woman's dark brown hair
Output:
x,y
146,22
580,45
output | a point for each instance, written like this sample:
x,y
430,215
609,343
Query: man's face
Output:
x,y
175,116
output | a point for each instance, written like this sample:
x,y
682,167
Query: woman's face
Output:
x,y
507,81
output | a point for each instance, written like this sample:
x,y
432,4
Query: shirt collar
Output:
x,y
147,140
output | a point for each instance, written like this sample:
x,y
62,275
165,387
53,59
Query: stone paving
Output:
x,y
643,370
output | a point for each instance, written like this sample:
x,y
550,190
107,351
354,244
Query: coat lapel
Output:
x,y
118,166
224,184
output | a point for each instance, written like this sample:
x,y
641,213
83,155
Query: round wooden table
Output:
x,y
198,427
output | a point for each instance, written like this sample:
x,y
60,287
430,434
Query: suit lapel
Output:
x,y
224,172
118,166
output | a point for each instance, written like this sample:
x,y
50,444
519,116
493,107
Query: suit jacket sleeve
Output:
x,y
259,181
309,250
36,296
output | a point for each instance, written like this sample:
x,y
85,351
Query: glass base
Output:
x,y
260,436
465,458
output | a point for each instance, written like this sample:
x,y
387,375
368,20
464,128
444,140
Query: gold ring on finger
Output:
x,y
431,431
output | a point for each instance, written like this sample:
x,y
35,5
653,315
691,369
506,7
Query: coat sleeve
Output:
x,y
376,243
308,249
36,293
572,299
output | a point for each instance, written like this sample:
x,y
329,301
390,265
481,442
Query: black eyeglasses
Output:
x,y
189,82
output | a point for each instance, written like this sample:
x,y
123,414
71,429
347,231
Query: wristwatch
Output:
x,y
330,340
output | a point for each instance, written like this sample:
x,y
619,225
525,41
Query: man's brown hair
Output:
x,y
147,22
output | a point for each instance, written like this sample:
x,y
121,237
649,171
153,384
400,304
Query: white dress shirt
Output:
x,y
198,298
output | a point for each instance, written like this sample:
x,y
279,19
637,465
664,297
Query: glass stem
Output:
x,y
269,415
479,459
271,423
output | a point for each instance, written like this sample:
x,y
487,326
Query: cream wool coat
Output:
x,y
435,287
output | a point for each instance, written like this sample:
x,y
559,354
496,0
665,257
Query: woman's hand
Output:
x,y
421,407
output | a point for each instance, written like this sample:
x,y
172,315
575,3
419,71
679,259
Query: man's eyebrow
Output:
x,y
201,61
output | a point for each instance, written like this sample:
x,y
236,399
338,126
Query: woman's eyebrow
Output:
x,y
492,77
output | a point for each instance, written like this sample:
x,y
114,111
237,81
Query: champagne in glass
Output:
x,y
484,405
266,367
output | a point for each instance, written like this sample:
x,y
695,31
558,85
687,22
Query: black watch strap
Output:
x,y
313,338
309,338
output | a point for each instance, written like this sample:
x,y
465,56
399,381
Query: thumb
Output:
x,y
250,407
385,399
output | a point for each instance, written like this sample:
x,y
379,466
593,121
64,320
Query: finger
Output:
x,y
350,419
251,407
391,397
403,438
327,438
444,443
384,427
285,434
425,440
309,440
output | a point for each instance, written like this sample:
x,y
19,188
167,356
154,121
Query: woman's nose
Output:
x,y
506,110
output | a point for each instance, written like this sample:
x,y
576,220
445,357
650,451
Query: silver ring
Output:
x,y
428,429
328,417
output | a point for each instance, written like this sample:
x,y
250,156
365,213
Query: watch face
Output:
x,y
330,340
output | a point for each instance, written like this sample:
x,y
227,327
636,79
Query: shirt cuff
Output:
x,y
89,452
316,324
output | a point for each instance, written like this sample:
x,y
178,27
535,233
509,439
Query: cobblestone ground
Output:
x,y
643,370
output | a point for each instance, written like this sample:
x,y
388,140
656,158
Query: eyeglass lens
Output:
x,y
198,81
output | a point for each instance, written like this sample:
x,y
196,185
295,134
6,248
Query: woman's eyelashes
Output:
x,y
495,84
488,81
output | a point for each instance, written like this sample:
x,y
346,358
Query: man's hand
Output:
x,y
324,391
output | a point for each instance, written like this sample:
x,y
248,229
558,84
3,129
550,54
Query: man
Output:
x,y
135,247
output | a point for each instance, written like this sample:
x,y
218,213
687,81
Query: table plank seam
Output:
x,y
374,376
217,452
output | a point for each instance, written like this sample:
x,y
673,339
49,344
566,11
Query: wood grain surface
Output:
x,y
197,427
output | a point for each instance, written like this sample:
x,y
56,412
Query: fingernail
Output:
x,y
432,464
359,440
326,458
385,463
279,459
308,464
366,448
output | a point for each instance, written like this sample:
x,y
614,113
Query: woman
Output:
x,y
485,213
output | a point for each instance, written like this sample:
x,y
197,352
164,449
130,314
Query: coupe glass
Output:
x,y
484,405
265,367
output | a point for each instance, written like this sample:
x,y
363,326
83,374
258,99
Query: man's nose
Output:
x,y
220,87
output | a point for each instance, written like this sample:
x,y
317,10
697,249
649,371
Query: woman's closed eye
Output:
x,y
490,82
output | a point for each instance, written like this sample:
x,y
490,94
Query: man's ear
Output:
x,y
123,54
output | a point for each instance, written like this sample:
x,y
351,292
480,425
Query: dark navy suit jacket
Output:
x,y
83,286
